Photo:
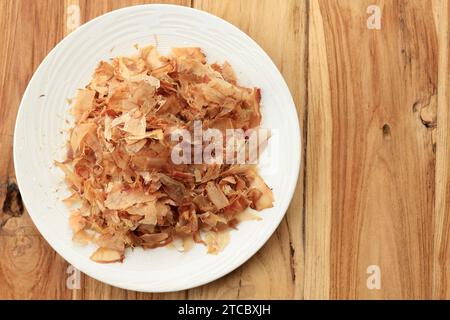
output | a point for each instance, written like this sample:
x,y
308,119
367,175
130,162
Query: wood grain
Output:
x,y
318,137
441,261
26,258
383,89
374,186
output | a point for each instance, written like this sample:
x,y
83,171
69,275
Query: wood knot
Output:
x,y
386,130
427,109
13,204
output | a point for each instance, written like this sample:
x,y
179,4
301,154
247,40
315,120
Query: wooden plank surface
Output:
x,y
441,250
383,109
374,188
26,258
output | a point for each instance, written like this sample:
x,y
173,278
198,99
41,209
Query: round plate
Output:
x,y
43,120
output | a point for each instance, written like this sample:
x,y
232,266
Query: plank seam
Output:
x,y
305,124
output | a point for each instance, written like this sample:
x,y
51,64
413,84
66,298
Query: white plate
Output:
x,y
39,139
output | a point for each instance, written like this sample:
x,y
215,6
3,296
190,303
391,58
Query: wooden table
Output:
x,y
371,214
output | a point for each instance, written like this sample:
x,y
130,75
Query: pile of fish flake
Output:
x,y
127,192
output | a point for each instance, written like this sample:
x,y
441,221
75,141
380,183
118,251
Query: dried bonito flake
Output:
x,y
105,255
127,189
